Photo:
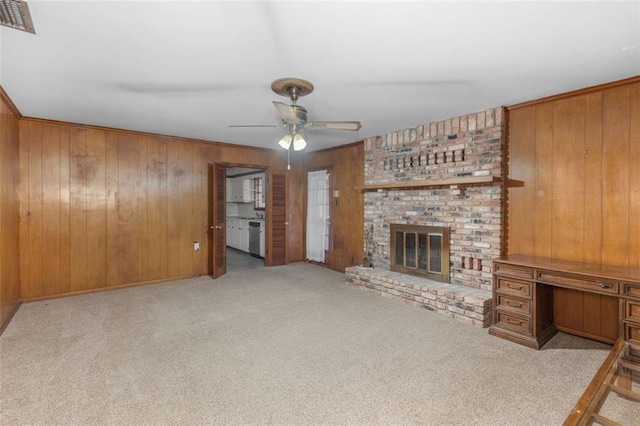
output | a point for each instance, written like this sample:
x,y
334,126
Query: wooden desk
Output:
x,y
523,299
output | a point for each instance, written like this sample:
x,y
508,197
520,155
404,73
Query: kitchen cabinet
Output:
x,y
239,190
238,234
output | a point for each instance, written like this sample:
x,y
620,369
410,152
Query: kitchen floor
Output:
x,y
239,260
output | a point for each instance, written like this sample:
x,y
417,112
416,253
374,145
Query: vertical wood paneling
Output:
x,y
544,178
568,178
634,178
143,209
173,210
128,218
9,212
521,199
35,211
111,175
590,168
65,209
185,208
615,180
78,213
118,208
23,200
96,210
592,187
51,213
155,171
164,202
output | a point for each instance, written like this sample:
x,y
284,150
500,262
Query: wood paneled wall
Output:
x,y
102,208
9,248
579,159
347,172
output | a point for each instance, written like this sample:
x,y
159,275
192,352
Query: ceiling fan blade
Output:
x,y
255,125
292,114
334,125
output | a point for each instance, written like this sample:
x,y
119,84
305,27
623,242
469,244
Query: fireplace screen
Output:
x,y
420,250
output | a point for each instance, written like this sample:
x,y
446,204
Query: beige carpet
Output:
x,y
286,345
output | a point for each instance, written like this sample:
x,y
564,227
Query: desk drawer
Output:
x,y
513,304
513,270
513,287
632,333
596,286
632,311
514,322
631,290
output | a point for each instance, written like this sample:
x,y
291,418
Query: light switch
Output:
x,y
196,246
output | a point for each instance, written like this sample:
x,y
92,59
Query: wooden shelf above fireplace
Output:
x,y
467,180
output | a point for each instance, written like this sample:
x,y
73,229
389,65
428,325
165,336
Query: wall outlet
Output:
x,y
196,246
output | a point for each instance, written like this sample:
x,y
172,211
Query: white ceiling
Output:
x,y
193,68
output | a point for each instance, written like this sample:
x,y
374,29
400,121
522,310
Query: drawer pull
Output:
x,y
515,305
603,285
518,287
510,321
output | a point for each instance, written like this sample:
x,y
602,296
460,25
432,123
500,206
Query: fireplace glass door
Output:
x,y
420,250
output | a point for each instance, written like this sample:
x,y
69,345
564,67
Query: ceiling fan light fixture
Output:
x,y
285,142
298,142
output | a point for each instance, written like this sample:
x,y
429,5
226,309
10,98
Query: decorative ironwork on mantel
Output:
x,y
465,180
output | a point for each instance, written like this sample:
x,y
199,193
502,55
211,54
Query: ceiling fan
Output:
x,y
294,116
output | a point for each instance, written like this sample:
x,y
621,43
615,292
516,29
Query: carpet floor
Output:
x,y
288,345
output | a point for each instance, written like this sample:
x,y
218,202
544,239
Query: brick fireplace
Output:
x,y
452,170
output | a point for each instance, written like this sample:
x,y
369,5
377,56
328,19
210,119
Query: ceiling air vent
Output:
x,y
15,14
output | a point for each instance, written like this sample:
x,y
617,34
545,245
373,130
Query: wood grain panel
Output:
x,y
592,230
51,213
544,179
35,211
65,219
634,178
78,214
568,178
112,178
155,174
520,220
615,182
96,209
173,210
185,209
23,201
143,209
128,217
277,234
591,168
9,210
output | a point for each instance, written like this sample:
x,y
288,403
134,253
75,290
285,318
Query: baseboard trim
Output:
x,y
10,317
101,289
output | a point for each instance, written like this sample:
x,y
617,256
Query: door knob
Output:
x,y
218,227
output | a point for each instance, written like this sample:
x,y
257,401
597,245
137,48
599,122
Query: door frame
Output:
x,y
268,261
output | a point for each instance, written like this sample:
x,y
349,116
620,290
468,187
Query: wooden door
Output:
x,y
219,223
277,254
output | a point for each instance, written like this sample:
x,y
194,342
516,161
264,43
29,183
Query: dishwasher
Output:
x,y
254,239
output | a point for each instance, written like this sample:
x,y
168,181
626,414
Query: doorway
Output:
x,y
319,211
246,214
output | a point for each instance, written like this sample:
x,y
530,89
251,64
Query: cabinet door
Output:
x,y
229,190
262,244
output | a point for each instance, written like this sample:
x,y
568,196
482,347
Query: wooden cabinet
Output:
x,y
533,298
